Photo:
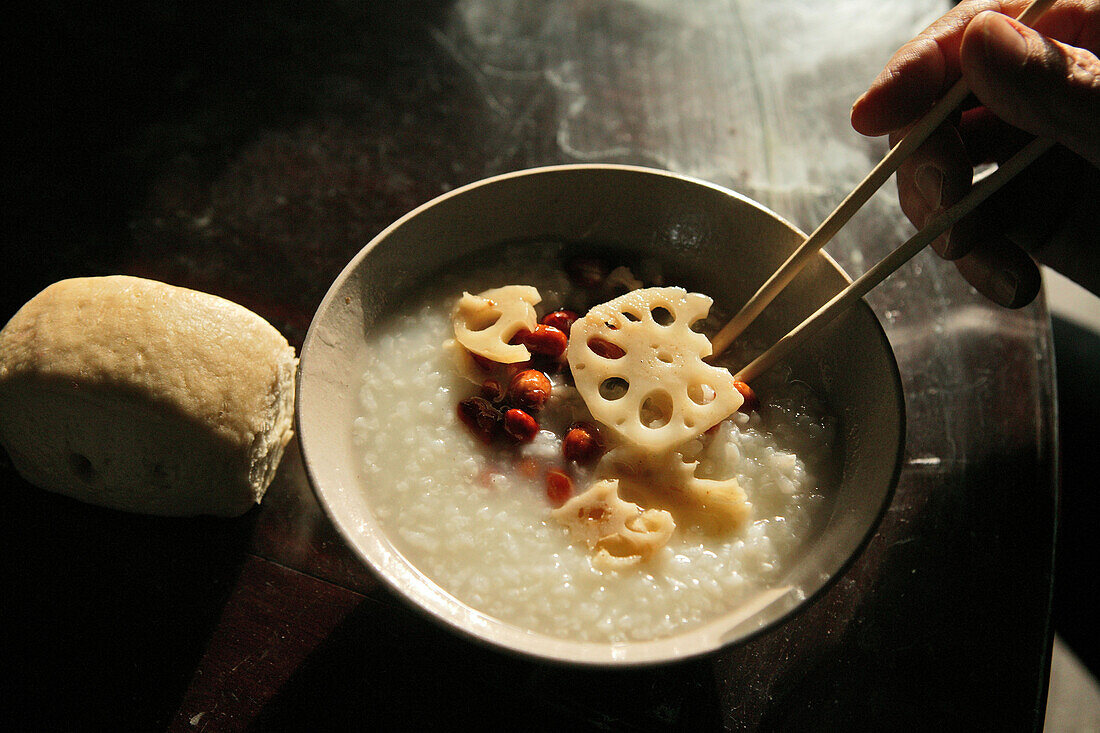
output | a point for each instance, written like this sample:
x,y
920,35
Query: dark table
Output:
x,y
251,149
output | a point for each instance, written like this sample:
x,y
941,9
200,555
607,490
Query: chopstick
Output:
x,y
853,202
940,224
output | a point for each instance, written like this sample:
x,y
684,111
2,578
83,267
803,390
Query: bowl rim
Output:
x,y
649,652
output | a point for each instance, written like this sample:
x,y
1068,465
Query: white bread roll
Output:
x,y
145,397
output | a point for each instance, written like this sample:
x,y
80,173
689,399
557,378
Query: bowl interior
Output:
x,y
709,239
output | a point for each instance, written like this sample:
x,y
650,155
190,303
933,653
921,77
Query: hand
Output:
x,y
1041,82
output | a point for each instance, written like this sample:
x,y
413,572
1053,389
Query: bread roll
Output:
x,y
145,397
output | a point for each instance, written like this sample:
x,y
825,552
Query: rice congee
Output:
x,y
542,439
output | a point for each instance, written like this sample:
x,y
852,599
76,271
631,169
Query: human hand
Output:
x,y
1028,82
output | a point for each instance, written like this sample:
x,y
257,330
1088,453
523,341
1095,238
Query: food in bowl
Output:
x,y
497,480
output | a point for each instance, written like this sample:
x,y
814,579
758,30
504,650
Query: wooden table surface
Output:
x,y
250,150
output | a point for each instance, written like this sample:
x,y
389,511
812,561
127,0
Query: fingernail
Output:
x,y
929,180
941,245
1003,285
1001,37
947,244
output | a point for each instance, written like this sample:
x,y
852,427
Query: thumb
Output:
x,y
1039,85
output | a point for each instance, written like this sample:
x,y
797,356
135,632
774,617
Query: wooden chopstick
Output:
x,y
940,224
853,202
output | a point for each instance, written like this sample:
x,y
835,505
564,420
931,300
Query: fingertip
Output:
x,y
864,118
1015,286
1028,287
855,114
912,80
1004,274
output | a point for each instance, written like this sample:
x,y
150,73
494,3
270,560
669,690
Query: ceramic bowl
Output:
x,y
715,241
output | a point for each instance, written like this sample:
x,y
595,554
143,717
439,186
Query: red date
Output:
x,y
751,403
546,340
562,320
582,443
529,390
559,487
520,425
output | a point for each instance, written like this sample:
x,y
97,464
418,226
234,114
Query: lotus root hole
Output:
x,y
614,388
656,409
701,393
662,316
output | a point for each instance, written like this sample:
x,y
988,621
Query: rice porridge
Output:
x,y
497,519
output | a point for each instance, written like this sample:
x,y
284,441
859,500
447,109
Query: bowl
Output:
x,y
715,241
